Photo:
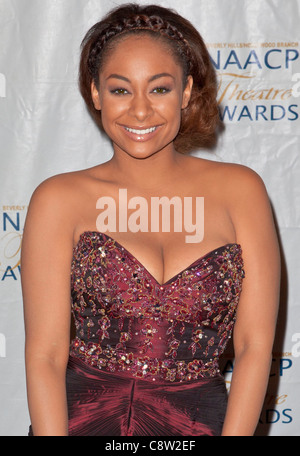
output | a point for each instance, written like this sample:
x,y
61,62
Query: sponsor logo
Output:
x,y
10,242
245,93
276,408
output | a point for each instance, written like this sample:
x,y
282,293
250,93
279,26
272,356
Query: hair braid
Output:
x,y
200,119
137,22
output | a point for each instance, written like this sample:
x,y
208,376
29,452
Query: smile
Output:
x,y
141,132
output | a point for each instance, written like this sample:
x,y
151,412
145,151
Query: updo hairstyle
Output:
x,y
199,120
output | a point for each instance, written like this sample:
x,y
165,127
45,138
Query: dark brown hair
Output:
x,y
200,119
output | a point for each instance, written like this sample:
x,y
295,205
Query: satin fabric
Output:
x,y
105,404
145,357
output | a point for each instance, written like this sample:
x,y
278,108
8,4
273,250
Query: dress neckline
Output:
x,y
172,279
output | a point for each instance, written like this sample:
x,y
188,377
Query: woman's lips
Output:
x,y
140,134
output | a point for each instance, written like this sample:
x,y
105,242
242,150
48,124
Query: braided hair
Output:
x,y
200,119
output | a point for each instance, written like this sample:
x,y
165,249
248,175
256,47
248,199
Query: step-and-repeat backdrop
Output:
x,y
45,130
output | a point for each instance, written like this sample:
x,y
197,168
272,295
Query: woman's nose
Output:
x,y
141,107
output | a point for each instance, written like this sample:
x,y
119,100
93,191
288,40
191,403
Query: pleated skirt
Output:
x,y
114,404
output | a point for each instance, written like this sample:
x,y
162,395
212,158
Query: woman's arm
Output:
x,y
45,272
257,310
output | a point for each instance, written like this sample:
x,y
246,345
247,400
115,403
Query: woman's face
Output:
x,y
141,95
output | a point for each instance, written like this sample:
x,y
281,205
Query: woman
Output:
x,y
144,360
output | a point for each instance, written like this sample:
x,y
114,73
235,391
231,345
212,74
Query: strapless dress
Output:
x,y
145,357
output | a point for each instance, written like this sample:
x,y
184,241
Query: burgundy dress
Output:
x,y
144,361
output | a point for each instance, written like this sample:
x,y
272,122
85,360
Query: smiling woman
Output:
x,y
180,40
153,313
141,104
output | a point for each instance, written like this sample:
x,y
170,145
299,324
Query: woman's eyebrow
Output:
x,y
160,75
153,78
117,76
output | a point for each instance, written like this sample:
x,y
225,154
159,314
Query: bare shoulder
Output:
x,y
241,191
232,180
63,190
243,187
232,174
235,181
53,203
53,186
235,173
250,209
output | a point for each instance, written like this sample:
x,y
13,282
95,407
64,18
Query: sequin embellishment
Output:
x,y
127,322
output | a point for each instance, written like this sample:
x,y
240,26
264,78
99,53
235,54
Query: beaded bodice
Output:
x,y
127,322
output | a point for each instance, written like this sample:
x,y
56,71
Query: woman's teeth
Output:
x,y
141,132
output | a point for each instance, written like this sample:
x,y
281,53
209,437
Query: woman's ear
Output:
x,y
95,96
187,92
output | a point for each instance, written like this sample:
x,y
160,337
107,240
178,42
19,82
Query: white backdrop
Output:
x,y
45,130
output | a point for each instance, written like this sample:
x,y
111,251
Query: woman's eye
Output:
x,y
161,90
119,91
